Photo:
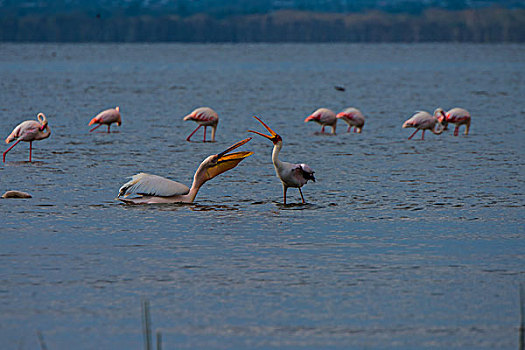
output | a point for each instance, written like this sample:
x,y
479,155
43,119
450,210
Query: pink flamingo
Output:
x,y
204,116
424,121
353,117
107,117
458,116
325,117
29,131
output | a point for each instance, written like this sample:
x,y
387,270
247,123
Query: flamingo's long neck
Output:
x,y
434,128
46,133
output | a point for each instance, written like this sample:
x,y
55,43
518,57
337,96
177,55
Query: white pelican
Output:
x,y
107,117
424,121
291,175
29,131
353,117
458,116
157,189
323,116
204,116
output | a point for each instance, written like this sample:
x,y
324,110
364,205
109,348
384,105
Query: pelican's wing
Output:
x,y
152,185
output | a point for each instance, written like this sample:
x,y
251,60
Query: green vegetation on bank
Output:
x,y
432,25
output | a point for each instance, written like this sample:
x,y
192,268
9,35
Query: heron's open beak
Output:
x,y
227,160
274,137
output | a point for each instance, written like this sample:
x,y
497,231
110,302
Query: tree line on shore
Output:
x,y
487,25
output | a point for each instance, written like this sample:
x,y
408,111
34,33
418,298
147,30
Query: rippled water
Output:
x,y
403,244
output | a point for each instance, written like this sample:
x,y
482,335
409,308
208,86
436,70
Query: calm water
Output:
x,y
403,244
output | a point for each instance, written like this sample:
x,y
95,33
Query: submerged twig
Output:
x,y
146,324
522,319
43,345
159,340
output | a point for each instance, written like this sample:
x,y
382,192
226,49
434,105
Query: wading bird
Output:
x,y
291,175
29,131
424,121
458,116
353,117
325,117
107,117
156,189
204,116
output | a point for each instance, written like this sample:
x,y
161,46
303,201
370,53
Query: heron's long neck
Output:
x,y
275,154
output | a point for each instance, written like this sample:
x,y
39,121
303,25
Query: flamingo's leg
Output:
x,y
301,192
456,130
194,131
467,127
95,127
413,134
108,128
322,129
349,128
30,150
14,144
284,194
423,135
204,133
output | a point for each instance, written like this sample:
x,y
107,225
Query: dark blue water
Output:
x,y
403,244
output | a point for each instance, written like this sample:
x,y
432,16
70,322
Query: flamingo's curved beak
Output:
x,y
274,137
312,117
443,120
343,115
227,160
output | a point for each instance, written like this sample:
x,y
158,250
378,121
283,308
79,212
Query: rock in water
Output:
x,y
16,194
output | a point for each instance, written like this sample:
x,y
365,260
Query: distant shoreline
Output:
x,y
489,25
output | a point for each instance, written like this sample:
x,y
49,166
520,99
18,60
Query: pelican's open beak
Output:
x,y
274,137
227,160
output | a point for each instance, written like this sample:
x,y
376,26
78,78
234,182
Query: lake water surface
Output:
x,y
402,245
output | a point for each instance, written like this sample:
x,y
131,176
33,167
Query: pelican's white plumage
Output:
x,y
157,189
153,185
